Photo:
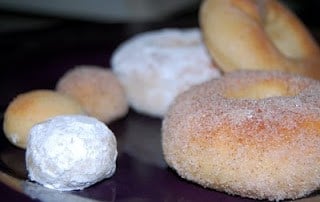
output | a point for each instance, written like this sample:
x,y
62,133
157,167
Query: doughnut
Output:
x,y
97,89
155,66
254,134
70,152
33,107
258,35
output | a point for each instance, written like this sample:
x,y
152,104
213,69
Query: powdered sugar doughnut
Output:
x,y
70,152
254,134
154,67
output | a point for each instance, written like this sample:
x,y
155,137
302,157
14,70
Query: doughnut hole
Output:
x,y
261,90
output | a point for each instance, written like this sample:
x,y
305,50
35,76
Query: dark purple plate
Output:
x,y
141,175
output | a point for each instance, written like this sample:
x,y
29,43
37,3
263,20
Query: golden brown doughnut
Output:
x,y
33,107
97,89
253,134
258,35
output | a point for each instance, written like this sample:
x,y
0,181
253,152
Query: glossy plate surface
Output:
x,y
141,174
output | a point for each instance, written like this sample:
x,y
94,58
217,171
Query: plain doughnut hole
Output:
x,y
261,90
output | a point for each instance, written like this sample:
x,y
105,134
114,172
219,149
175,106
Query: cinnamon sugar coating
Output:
x,y
253,134
97,89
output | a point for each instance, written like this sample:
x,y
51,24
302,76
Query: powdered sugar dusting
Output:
x,y
158,65
70,152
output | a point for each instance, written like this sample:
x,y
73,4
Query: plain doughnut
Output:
x,y
97,89
258,35
253,134
33,107
155,66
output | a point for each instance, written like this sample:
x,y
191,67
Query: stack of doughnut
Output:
x,y
255,131
87,89
63,130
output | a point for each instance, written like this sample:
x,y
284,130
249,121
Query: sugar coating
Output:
x,y
97,89
266,148
70,152
156,66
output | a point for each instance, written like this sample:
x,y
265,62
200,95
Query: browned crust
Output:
x,y
32,107
239,36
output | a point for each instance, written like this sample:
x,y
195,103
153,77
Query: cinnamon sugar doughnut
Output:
x,y
97,89
258,35
253,134
156,66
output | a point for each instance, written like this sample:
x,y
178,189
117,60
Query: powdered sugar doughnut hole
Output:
x,y
70,152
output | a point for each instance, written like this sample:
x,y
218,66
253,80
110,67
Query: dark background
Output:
x,y
36,44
